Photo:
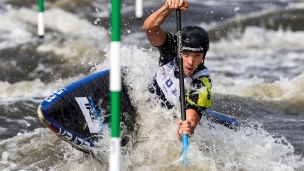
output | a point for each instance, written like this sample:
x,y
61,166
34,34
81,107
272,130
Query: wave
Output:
x,y
31,89
284,89
288,18
259,41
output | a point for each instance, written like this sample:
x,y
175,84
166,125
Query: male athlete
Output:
x,y
195,44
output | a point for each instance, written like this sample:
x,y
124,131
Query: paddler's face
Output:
x,y
191,60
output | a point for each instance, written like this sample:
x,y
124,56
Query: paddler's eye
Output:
x,y
186,54
199,55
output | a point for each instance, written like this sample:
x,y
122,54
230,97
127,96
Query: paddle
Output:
x,y
181,80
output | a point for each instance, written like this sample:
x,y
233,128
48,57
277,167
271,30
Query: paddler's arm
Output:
x,y
196,102
188,126
152,25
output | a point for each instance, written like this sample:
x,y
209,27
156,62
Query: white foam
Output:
x,y
35,88
70,36
255,54
257,88
4,156
13,29
257,41
85,40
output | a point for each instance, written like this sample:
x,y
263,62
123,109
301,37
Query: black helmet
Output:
x,y
195,38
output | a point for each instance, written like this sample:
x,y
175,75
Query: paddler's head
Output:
x,y
195,44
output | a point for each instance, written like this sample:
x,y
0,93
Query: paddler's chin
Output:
x,y
188,73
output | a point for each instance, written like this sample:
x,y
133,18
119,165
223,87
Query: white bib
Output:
x,y
169,84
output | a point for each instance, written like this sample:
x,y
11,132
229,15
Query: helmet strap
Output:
x,y
205,52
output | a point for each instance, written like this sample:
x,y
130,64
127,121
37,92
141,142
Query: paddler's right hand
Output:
x,y
172,5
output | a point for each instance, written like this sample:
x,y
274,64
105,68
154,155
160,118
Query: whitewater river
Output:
x,y
256,60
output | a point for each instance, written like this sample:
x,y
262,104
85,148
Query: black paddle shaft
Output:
x,y
180,61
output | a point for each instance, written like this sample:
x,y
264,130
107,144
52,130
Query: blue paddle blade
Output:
x,y
219,118
185,149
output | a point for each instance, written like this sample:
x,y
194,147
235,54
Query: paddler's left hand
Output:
x,y
187,127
